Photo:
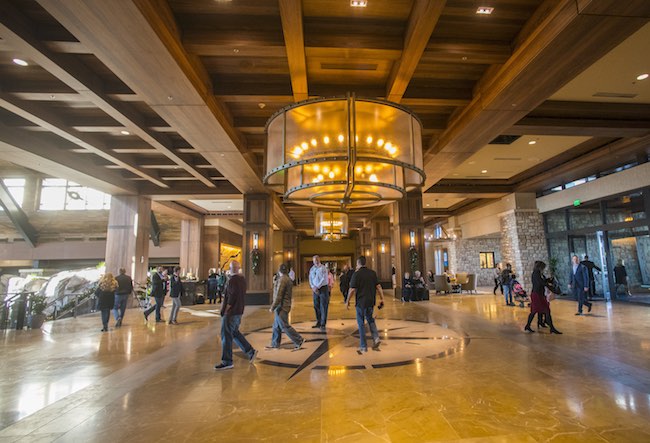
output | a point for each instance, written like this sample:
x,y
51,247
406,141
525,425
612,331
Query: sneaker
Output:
x,y
222,366
251,359
146,316
375,345
315,326
118,323
578,313
269,347
299,345
362,350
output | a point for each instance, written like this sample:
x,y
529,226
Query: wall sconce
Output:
x,y
256,240
367,252
383,248
412,237
289,255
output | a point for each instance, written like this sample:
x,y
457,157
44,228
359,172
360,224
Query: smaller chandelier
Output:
x,y
344,152
331,225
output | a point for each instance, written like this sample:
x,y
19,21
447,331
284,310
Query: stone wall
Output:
x,y
523,241
467,253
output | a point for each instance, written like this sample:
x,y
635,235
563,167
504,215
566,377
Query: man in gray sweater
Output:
x,y
281,307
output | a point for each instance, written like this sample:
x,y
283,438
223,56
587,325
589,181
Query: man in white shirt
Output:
x,y
292,276
318,283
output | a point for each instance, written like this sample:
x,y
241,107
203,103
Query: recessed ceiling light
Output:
x,y
471,163
428,204
125,133
229,207
20,62
262,105
484,10
643,76
484,171
358,3
236,51
532,142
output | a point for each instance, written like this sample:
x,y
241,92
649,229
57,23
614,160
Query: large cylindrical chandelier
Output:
x,y
331,225
344,152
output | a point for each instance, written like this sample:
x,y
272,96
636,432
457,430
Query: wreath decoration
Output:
x,y
413,259
256,260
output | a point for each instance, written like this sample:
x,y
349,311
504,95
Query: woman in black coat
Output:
x,y
105,293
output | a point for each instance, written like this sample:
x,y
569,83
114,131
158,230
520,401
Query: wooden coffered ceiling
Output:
x,y
169,98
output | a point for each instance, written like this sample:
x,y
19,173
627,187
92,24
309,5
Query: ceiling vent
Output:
x,y
614,95
350,66
514,159
505,140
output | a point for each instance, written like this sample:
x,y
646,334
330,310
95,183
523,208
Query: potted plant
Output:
x,y
38,305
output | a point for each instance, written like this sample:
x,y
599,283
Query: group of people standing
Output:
x,y
161,284
414,288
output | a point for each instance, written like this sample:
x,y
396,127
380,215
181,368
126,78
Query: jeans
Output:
x,y
581,296
321,304
366,314
157,307
176,306
229,333
507,294
106,315
280,325
119,309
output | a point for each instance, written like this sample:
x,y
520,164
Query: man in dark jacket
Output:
x,y
364,285
232,310
344,280
281,307
579,283
158,292
124,289
176,291
590,272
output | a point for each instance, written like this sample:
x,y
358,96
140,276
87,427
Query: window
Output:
x,y
487,260
59,194
16,187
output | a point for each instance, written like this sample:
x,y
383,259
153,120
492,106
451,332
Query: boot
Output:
x,y
530,320
541,320
549,320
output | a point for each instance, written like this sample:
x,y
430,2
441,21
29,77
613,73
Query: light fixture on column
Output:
x,y
256,254
412,238
289,255
367,252
331,225
256,240
383,248
344,152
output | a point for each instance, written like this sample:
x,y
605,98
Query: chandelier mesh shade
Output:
x,y
331,225
344,152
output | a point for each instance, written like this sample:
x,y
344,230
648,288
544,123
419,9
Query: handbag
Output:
x,y
550,295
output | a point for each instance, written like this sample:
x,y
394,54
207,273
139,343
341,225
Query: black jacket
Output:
x,y
176,286
158,287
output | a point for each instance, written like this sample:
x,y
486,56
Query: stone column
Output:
x,y
522,240
408,218
258,228
380,250
127,239
192,247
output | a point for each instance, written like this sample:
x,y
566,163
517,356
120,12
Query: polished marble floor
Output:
x,y
455,368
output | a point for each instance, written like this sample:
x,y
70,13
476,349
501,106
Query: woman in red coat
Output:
x,y
538,302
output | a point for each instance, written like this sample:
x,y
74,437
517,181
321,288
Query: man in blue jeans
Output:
x,y
365,285
318,276
158,292
281,307
231,311
579,283
122,293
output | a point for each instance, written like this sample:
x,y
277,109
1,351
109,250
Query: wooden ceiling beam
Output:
x,y
137,39
34,152
294,40
423,19
94,144
466,189
580,127
17,31
550,56
281,216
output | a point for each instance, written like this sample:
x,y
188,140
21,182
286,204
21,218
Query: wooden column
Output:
x,y
257,223
380,250
408,218
365,246
211,249
127,239
291,251
191,254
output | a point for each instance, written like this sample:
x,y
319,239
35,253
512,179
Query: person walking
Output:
x,y
620,277
539,304
507,276
176,291
364,286
221,284
213,286
344,281
590,272
105,293
318,278
408,294
281,307
124,289
232,310
497,280
579,283
158,292
292,276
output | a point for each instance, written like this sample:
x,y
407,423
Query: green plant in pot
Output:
x,y
38,304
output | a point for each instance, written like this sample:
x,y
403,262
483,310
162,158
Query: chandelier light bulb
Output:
x,y
326,140
341,138
369,139
380,142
